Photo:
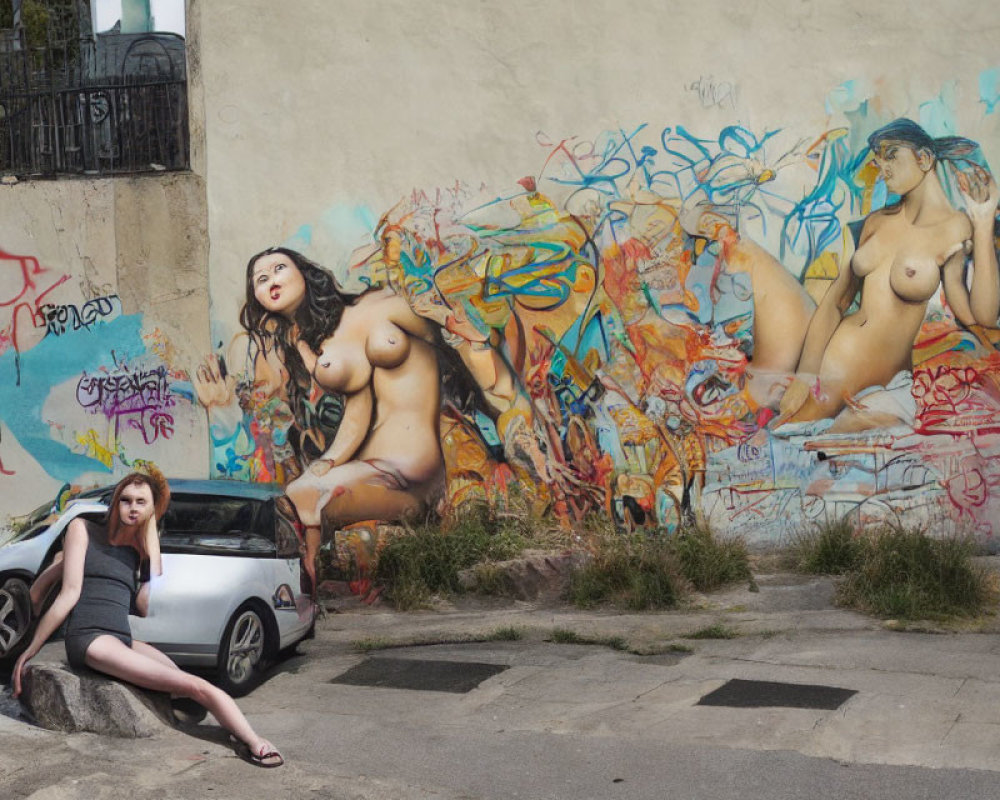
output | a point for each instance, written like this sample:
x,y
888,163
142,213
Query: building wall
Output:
x,y
104,305
627,351
529,160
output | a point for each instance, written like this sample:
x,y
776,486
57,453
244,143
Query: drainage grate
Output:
x,y
755,694
458,677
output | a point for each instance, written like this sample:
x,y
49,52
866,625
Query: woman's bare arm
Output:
x,y
45,580
400,312
74,554
215,383
828,315
981,197
214,390
152,544
353,430
955,291
142,600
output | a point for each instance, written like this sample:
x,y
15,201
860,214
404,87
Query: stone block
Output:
x,y
58,699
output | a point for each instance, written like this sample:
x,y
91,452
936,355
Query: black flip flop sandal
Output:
x,y
268,760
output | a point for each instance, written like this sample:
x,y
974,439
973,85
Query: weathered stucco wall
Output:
x,y
104,305
332,105
529,162
522,175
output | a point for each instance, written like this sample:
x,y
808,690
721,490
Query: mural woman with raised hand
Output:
x,y
299,297
854,365
372,350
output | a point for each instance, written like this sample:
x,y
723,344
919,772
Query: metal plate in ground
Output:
x,y
756,694
458,677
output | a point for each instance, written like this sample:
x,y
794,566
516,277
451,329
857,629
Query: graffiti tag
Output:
x,y
138,397
60,318
23,285
715,94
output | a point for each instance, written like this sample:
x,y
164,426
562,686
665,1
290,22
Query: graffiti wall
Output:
x,y
747,328
647,266
93,370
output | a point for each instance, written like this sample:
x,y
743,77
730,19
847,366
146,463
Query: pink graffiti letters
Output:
x,y
24,284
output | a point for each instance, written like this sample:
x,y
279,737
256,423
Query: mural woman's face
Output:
x,y
902,167
277,284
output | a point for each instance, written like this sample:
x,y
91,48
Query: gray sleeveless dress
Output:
x,y
109,573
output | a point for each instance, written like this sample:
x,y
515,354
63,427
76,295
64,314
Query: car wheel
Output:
x,y
15,616
244,650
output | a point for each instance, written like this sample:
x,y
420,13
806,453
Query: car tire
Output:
x,y
245,650
15,619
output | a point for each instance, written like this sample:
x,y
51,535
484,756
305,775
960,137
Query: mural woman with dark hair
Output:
x,y
374,354
854,365
291,305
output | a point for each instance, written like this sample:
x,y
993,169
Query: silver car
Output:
x,y
231,594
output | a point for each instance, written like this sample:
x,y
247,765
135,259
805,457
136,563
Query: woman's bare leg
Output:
x,y
148,650
782,306
137,666
353,492
310,561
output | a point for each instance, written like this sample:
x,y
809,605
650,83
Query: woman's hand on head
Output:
x,y
211,387
980,194
429,305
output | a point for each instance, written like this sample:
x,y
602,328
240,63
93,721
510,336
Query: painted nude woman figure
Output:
x,y
904,253
385,459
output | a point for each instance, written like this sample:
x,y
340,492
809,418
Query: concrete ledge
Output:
x,y
61,700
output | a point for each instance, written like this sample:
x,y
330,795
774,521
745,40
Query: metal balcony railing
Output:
x,y
92,105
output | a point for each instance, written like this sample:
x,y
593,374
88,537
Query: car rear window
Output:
x,y
212,524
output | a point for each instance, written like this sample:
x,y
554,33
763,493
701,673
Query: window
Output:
x,y
287,541
75,102
217,525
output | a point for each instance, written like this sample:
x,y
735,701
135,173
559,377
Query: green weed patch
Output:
x,y
833,548
906,574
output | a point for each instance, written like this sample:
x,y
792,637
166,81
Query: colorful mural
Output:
x,y
743,328
658,326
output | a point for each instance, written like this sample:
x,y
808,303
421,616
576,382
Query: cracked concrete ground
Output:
x,y
574,720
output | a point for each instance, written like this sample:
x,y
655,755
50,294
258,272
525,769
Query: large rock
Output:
x,y
532,576
61,700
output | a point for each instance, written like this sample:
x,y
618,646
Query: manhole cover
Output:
x,y
755,694
428,676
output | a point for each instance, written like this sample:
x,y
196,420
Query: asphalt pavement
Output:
x,y
805,699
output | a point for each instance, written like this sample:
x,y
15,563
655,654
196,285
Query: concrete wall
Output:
x,y
322,119
616,373
355,104
104,304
